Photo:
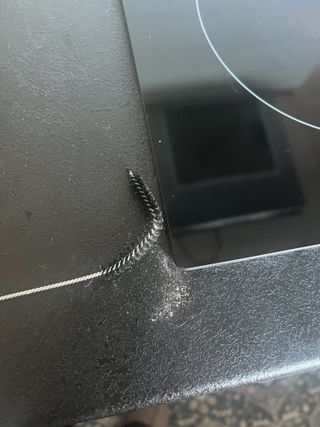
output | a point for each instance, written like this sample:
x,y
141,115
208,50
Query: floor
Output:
x,y
289,402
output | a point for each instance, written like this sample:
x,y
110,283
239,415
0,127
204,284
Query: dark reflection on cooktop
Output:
x,y
232,102
225,170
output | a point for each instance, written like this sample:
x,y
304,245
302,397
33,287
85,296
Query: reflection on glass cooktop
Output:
x,y
232,97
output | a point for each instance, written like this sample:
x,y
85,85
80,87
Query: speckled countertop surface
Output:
x,y
71,121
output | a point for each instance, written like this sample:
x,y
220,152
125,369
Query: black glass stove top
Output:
x,y
232,98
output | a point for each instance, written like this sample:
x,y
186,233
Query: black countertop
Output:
x,y
71,122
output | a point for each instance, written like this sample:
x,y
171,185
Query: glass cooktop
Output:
x,y
232,98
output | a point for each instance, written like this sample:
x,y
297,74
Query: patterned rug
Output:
x,y
289,402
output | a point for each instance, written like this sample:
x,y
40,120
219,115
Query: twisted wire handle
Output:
x,y
130,256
